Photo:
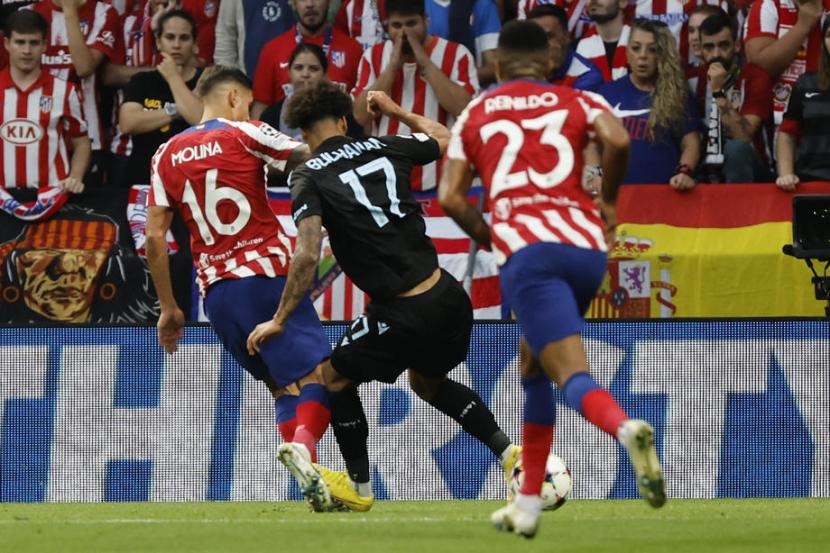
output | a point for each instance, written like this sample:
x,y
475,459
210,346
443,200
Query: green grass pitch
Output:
x,y
780,526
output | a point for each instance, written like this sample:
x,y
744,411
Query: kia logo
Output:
x,y
20,132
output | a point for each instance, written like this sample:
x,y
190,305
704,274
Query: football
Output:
x,y
557,485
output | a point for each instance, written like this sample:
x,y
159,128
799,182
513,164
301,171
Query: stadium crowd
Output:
x,y
710,91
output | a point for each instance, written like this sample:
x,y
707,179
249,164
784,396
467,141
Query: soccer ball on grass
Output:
x,y
556,488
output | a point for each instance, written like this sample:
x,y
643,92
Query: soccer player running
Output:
x,y
212,174
525,139
420,318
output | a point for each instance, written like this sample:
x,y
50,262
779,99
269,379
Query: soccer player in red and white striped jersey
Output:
x,y
212,175
424,74
783,37
525,139
42,116
606,42
83,34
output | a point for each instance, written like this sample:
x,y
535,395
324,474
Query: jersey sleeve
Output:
x,y
265,142
74,120
794,115
366,71
464,72
305,198
486,25
105,32
418,148
158,192
762,20
758,95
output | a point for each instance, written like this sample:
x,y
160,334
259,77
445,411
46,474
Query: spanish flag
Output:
x,y
714,251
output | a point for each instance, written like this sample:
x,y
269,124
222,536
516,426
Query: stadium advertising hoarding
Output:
x,y
741,409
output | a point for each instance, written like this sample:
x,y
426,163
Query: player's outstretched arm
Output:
x,y
378,103
452,194
300,279
171,321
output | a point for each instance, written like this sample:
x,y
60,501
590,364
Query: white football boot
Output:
x,y
521,516
297,460
637,436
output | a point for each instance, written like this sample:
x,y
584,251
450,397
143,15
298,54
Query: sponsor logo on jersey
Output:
x,y
511,103
271,11
811,94
21,132
623,113
45,104
61,58
197,152
210,8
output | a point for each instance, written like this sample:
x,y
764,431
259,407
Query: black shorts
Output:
x,y
428,333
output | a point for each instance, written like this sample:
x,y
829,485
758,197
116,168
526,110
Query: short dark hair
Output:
x,y
180,14
305,47
717,22
325,100
550,10
25,22
221,74
522,37
405,7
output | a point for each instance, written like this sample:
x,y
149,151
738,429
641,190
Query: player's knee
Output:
x,y
425,388
334,381
528,363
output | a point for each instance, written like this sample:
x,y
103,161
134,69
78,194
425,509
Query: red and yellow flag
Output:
x,y
712,252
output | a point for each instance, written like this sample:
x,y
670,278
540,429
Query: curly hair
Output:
x,y
668,100
325,100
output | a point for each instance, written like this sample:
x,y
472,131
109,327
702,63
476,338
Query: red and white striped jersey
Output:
x,y
525,139
124,7
37,124
772,19
122,144
414,94
99,25
592,48
363,20
213,174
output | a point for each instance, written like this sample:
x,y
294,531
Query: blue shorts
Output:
x,y
550,287
235,307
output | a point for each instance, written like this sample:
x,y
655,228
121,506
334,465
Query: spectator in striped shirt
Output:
x,y
568,67
783,37
83,36
42,115
423,73
606,48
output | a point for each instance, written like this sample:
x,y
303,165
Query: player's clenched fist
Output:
x,y
379,103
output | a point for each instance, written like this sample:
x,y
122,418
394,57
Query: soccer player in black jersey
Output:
x,y
420,318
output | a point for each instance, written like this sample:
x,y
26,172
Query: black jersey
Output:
x,y
360,188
